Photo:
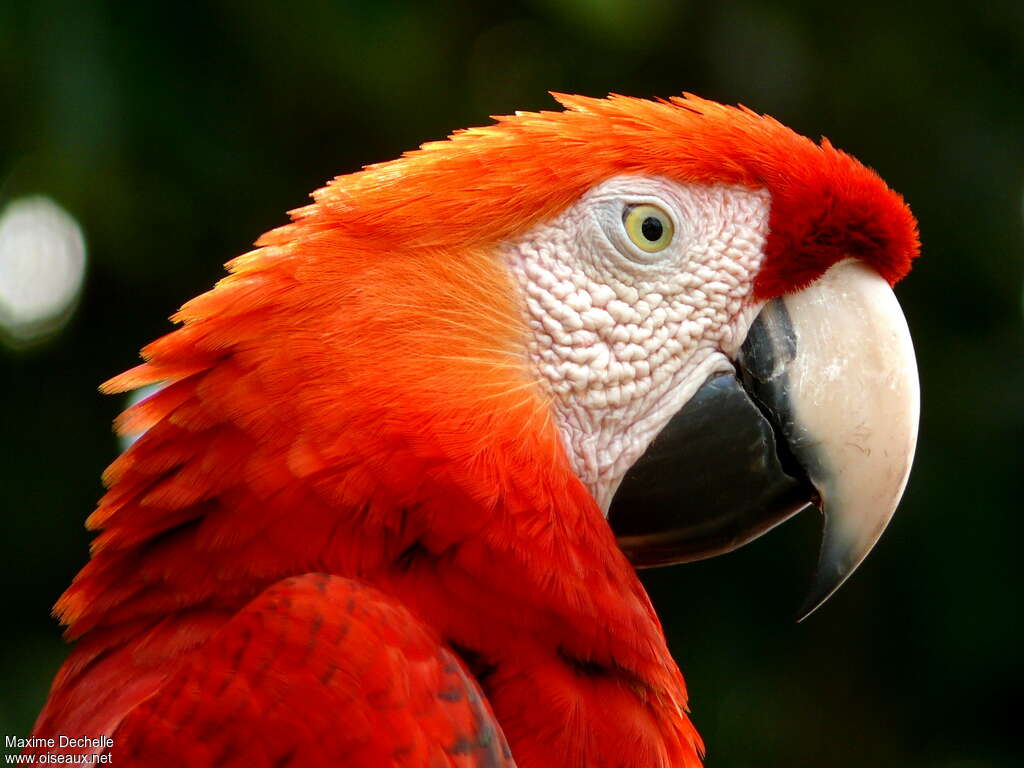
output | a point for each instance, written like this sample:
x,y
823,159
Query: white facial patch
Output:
x,y
623,337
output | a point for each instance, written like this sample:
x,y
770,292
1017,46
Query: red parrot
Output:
x,y
386,505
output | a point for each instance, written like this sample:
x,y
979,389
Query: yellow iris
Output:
x,y
649,227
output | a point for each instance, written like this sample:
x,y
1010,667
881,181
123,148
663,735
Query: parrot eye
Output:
x,y
649,227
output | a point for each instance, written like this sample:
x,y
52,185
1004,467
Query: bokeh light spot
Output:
x,y
42,268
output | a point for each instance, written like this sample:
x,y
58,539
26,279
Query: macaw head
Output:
x,y
713,320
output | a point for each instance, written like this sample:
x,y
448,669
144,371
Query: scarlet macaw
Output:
x,y
367,520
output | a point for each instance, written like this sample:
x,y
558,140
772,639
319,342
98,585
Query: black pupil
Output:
x,y
652,229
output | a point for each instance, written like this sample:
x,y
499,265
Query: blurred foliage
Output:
x,y
177,132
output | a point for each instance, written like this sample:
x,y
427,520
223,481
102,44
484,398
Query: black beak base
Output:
x,y
717,476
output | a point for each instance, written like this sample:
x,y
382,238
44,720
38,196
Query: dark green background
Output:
x,y
176,134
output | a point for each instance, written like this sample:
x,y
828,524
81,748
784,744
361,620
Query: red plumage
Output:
x,y
324,647
352,400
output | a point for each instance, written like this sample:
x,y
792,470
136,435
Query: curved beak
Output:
x,y
823,410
